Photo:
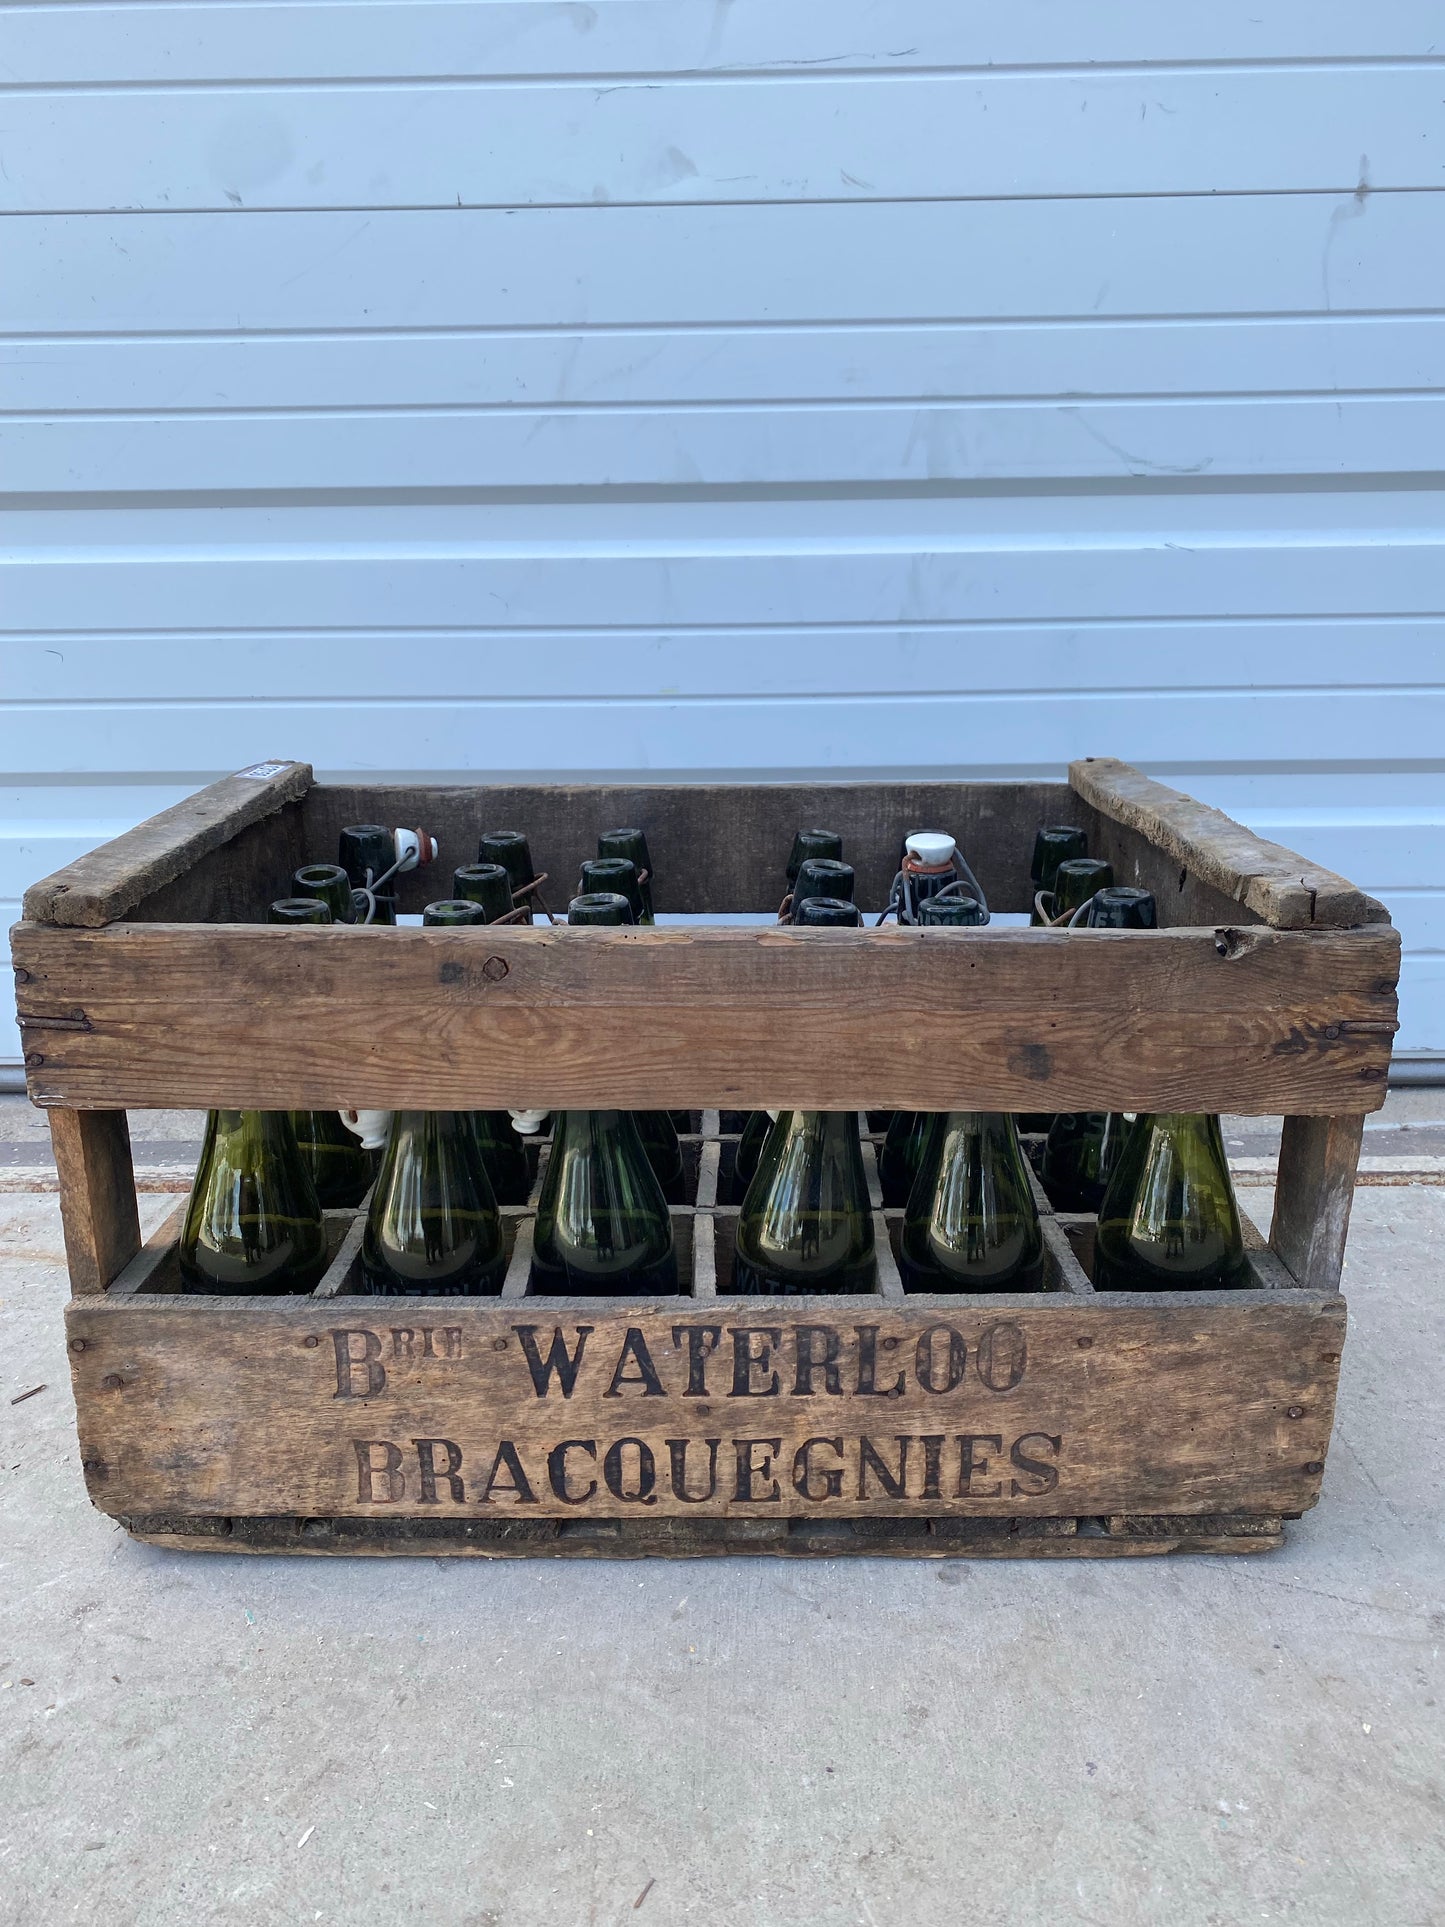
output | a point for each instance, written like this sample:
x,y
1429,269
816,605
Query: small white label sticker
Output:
x,y
260,771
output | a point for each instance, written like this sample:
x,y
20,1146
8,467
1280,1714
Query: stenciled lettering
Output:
x,y
559,1360
894,1484
825,1468
747,1362
810,1360
444,1342
1003,1352
517,1486
618,1476
932,1443
634,1351
677,1454
557,1470
374,1473
868,1348
933,1375
702,1341
358,1375
973,1463
1046,1476
750,1467
817,1483
426,1451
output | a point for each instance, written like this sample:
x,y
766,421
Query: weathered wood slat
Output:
x,y
97,1195
1282,888
1249,1020
1056,1405
1314,1189
108,882
329,1537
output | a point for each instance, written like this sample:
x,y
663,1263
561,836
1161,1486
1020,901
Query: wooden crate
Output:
x,y
1060,1423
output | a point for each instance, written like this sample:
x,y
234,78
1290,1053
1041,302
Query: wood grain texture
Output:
x,y
689,1539
1243,1020
1013,1406
97,1195
1314,1189
1283,889
102,886
715,846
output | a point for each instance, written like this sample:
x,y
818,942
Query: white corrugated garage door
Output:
x,y
749,388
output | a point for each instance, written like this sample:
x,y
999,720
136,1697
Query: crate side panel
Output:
x,y
1014,1407
1248,1021
114,879
236,883
1284,889
716,847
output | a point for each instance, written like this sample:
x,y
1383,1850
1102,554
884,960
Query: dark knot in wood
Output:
x,y
1032,1061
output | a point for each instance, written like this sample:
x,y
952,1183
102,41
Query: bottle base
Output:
x,y
202,1287
561,1281
386,1285
1106,1280
749,1282
916,1280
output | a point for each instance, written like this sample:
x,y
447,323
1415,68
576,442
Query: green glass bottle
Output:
x,y
1168,1221
599,907
1054,844
749,1150
253,1224
433,1230
959,912
511,849
664,1153
656,1129
1077,880
337,1165
451,913
616,875
298,910
1083,1147
828,913
806,843
632,844
821,876
1080,1157
902,1153
486,884
330,883
805,1224
972,1224
335,1162
502,1154
602,1225
366,852
1121,907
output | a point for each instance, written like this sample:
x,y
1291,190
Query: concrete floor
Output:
x,y
1198,1743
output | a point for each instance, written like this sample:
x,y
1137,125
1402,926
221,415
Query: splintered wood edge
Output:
x,y
1285,889
101,886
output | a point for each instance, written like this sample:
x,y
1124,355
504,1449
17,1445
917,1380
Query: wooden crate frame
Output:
x,y
1143,1422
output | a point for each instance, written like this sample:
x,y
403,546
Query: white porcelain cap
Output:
x,y
930,846
372,1127
528,1123
414,848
